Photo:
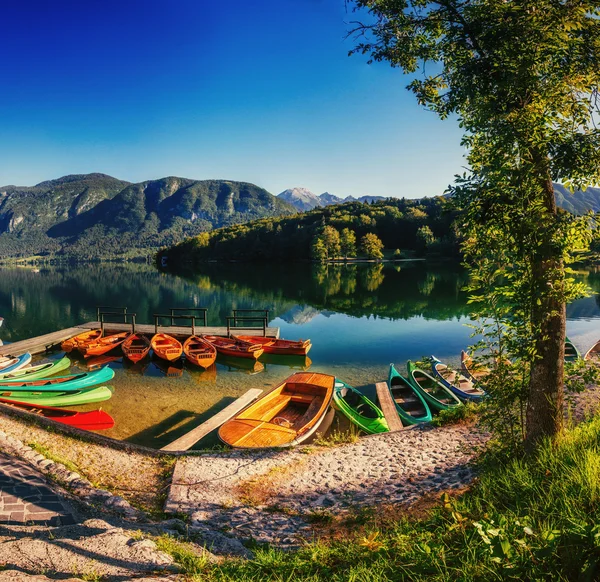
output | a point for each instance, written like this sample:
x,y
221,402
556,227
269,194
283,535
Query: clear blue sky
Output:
x,y
259,91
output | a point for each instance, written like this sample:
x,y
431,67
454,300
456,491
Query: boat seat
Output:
x,y
311,411
299,397
269,409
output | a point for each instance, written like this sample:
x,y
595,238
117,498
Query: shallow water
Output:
x,y
359,318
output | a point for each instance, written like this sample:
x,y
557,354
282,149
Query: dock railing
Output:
x,y
173,317
202,310
233,321
102,318
107,310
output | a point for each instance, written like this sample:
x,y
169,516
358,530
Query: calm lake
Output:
x,y
359,318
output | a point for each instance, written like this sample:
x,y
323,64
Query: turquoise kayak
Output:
x,y
36,372
12,364
410,405
88,396
571,352
61,383
358,408
437,396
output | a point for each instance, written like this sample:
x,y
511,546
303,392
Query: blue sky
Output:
x,y
260,91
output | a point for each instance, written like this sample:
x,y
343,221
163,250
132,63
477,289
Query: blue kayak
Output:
x,y
11,364
465,388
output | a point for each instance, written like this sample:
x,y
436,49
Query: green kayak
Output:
x,y
60,383
36,372
437,396
60,398
358,408
410,405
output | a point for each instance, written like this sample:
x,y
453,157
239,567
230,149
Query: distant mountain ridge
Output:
x,y
303,199
95,215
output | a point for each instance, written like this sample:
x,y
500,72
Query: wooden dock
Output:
x,y
388,406
43,343
189,439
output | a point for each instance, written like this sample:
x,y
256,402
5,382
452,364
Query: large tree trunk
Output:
x,y
546,383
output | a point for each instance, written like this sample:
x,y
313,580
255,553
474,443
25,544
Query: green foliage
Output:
x,y
371,246
348,242
468,412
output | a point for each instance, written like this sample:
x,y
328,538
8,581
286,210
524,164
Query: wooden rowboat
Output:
x,y
358,408
36,372
437,396
410,405
87,396
199,352
136,347
465,388
280,347
571,352
472,369
593,354
60,383
103,345
12,364
234,347
80,340
288,415
166,347
92,420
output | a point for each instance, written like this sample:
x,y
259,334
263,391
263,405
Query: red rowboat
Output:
x,y
93,420
136,347
279,347
234,347
103,345
166,347
199,352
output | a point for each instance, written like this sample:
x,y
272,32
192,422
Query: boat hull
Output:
x,y
395,379
136,347
199,352
37,372
278,347
437,396
235,348
437,368
14,364
348,400
89,396
166,347
103,345
80,340
61,383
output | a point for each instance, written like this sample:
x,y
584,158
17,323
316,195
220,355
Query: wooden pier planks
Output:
x,y
41,343
388,406
189,439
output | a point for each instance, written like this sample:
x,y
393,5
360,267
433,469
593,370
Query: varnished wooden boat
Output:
x,y
92,420
593,354
103,345
236,348
81,339
199,352
12,364
136,347
437,396
280,347
288,415
410,405
571,352
465,388
166,347
471,369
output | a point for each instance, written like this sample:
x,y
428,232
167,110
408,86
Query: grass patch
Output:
x,y
186,555
42,450
532,518
338,437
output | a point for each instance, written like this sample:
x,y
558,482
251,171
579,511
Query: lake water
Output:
x,y
359,318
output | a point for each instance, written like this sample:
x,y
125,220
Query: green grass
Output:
x,y
526,519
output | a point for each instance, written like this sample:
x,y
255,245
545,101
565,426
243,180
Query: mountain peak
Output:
x,y
301,198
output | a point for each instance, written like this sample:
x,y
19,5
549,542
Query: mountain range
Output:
x,y
303,199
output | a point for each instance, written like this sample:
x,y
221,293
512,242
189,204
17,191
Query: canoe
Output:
x,y
410,405
199,352
593,354
92,420
136,347
87,396
80,340
103,345
12,364
234,347
60,383
36,372
471,369
465,388
280,347
358,408
288,415
166,347
437,396
571,352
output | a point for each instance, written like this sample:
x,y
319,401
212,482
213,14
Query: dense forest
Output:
x,y
403,227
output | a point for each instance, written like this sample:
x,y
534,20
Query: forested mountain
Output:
x,y
578,202
94,215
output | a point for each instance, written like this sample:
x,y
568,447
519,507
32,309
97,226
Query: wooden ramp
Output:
x,y
189,439
40,344
388,406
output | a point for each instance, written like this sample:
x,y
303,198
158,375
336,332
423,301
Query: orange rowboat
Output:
x,y
103,345
288,415
234,347
136,347
199,352
166,347
81,339
278,347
